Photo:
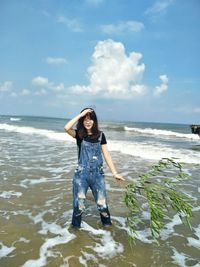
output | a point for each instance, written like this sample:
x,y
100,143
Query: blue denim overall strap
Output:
x,y
89,174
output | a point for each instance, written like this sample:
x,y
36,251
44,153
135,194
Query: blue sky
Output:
x,y
130,59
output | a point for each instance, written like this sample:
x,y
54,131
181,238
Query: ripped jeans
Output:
x,y
85,178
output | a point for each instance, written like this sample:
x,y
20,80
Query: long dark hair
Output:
x,y
82,132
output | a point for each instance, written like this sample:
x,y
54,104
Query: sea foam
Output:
x,y
108,248
4,250
62,236
152,151
158,133
9,194
15,119
148,151
31,130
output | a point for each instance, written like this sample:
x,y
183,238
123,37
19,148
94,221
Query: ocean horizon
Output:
x,y
103,120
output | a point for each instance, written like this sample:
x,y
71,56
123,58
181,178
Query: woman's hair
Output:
x,y
82,132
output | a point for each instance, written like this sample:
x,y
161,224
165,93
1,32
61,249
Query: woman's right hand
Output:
x,y
85,111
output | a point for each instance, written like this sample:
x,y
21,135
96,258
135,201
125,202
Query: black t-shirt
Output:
x,y
89,139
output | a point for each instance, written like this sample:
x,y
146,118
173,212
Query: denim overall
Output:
x,y
89,174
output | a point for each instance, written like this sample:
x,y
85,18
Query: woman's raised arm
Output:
x,y
69,126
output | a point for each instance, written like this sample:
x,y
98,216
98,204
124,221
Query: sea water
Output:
x,y
37,163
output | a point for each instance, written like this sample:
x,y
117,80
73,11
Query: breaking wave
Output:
x,y
158,132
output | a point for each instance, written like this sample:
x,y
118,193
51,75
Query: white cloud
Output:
x,y
72,24
164,78
159,7
25,92
41,92
45,83
122,27
58,87
163,86
112,73
13,94
6,86
56,60
40,81
139,89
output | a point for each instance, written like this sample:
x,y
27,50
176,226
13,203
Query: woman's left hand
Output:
x,y
119,177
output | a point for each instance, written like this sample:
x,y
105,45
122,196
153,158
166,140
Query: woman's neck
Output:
x,y
89,132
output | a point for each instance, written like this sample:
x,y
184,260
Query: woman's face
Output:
x,y
88,123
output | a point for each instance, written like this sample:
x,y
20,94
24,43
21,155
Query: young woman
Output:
x,y
91,144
